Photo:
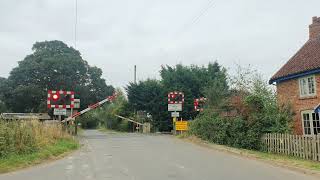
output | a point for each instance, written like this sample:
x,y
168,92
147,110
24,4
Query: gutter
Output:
x,y
294,76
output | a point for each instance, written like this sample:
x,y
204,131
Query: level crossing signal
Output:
x,y
199,103
175,97
60,99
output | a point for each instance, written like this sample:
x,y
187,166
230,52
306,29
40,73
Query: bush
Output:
x,y
23,137
260,114
89,120
233,132
123,126
105,116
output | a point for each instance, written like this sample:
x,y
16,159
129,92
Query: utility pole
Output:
x,y
135,82
75,24
135,74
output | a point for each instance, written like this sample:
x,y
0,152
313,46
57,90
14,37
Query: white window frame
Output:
x,y
306,88
310,112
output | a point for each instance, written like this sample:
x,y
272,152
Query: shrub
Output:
x,y
233,132
123,126
106,116
260,114
89,120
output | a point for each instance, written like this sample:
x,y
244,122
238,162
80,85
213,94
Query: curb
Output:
x,y
239,153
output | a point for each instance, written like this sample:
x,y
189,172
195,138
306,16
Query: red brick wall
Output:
x,y
288,92
314,28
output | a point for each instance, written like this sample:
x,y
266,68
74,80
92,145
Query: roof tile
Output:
x,y
306,59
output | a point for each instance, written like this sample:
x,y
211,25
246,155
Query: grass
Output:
x,y
287,160
290,162
49,152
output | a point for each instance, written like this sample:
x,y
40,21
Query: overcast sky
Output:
x,y
117,34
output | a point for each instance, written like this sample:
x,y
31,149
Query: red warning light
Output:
x,y
55,97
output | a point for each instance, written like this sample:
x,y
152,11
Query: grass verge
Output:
x,y
289,162
50,152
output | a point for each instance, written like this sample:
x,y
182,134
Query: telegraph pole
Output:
x,y
135,74
135,82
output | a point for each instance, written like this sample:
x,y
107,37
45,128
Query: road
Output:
x,y
121,156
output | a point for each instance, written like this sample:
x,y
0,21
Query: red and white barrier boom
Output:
x,y
91,107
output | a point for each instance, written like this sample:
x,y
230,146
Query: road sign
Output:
x,y
76,103
174,107
60,112
181,125
175,114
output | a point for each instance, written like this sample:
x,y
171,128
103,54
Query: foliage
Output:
x,y
24,137
194,81
52,66
89,120
3,107
261,115
262,107
106,115
150,96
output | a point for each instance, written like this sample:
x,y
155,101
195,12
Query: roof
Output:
x,y
307,59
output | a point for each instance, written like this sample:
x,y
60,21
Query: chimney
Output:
x,y
314,28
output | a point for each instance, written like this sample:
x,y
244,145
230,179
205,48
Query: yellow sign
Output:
x,y
181,125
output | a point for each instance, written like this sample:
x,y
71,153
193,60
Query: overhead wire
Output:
x,y
196,19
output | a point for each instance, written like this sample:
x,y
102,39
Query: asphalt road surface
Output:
x,y
121,156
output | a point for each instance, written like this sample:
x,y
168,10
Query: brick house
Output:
x,y
298,83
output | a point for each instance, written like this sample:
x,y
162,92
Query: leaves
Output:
x,y
194,81
52,66
260,115
150,96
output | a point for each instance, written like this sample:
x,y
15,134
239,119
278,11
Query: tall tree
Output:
x,y
3,82
53,65
195,82
151,97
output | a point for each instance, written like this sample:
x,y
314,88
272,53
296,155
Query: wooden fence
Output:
x,y
306,147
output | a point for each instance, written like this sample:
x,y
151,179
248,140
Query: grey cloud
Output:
x,y
116,34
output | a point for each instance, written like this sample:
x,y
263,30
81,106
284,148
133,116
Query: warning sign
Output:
x,y
181,125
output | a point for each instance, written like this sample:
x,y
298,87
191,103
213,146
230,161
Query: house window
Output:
x,y
310,122
307,86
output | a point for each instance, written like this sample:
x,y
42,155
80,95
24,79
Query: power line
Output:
x,y
197,18
194,21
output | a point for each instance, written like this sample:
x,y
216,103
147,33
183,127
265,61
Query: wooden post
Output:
x,y
76,127
314,148
318,142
